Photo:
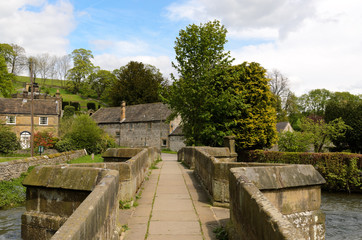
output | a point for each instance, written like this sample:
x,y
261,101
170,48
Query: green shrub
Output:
x,y
8,140
76,105
294,142
91,105
65,145
342,171
69,111
64,104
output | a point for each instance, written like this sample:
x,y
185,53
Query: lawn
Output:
x,y
11,157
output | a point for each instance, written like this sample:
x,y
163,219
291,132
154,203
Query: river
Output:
x,y
343,218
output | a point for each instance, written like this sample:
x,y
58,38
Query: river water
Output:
x,y
343,218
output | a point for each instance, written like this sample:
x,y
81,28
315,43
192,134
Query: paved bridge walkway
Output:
x,y
173,205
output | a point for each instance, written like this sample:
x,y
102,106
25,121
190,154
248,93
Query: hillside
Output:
x,y
51,86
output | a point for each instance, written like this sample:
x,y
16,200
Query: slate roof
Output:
x,y
22,106
177,132
281,126
135,113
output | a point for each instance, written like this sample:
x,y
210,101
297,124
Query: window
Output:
x,y
164,142
43,121
10,120
131,126
149,126
117,133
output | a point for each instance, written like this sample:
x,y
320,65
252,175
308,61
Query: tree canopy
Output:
x,y
136,83
101,80
83,67
6,78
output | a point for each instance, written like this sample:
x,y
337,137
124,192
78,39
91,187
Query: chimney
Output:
x,y
123,111
57,94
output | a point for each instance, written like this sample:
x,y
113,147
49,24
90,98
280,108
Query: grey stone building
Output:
x,y
176,139
138,125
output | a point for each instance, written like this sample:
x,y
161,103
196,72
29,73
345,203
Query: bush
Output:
x,y
342,171
8,140
69,111
294,142
65,145
76,105
91,105
64,104
45,139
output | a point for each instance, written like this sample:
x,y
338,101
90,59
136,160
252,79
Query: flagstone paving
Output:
x,y
173,205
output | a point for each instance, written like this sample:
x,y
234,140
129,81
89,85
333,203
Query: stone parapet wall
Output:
x,y
71,203
132,172
13,169
280,202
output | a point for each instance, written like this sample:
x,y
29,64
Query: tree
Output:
x,y
314,103
321,133
6,78
100,80
43,66
63,65
83,67
348,107
200,57
136,83
6,51
18,59
294,141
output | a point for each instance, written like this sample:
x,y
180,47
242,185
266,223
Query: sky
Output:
x,y
315,43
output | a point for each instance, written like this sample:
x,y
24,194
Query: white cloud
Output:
x,y
36,25
111,62
246,16
317,44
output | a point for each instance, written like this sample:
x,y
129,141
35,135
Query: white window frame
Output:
x,y
8,119
40,121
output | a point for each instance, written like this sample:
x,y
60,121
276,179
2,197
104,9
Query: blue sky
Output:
x,y
316,44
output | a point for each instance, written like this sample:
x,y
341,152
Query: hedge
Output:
x,y
342,171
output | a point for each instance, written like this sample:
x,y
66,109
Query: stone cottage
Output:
x,y
138,125
16,112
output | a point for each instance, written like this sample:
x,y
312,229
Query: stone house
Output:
x,y
176,139
138,125
16,112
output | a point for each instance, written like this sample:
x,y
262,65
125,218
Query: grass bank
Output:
x,y
87,159
12,193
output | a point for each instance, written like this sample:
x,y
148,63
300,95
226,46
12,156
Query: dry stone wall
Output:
x,y
13,169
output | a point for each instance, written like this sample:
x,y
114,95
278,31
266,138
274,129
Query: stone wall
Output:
x,y
13,169
71,203
280,202
176,142
131,172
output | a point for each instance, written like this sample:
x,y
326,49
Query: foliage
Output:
x,y
8,140
321,133
6,78
293,142
221,233
82,132
91,105
136,83
6,51
101,80
69,111
314,103
348,107
45,139
12,193
83,67
200,57
76,105
342,171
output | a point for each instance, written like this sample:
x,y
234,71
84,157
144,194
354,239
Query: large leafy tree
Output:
x,y
83,67
6,78
200,57
314,102
100,81
136,83
348,107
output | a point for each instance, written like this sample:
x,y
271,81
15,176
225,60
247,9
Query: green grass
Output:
x,y
168,151
53,85
87,159
13,156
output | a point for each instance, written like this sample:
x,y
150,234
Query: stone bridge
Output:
x,y
185,199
